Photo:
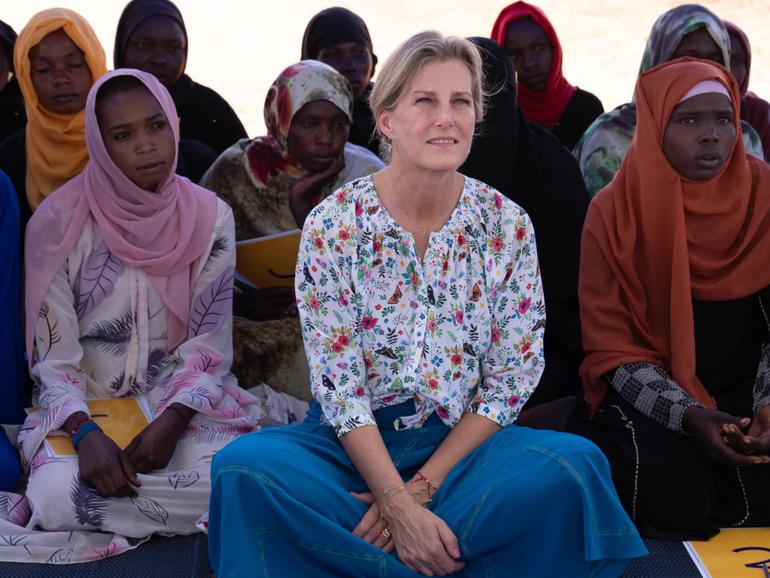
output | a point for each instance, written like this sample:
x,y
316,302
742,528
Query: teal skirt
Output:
x,y
527,503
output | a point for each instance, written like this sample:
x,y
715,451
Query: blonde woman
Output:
x,y
422,313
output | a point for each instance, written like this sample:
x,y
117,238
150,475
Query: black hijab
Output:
x,y
339,26
503,154
134,14
532,168
12,115
335,26
7,41
205,116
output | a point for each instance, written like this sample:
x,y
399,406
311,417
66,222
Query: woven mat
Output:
x,y
176,557
666,560
186,556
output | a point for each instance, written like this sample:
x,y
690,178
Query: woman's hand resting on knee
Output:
x,y
423,541
105,466
153,447
372,526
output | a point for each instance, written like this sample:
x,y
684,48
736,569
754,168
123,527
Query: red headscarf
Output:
x,y
544,108
653,240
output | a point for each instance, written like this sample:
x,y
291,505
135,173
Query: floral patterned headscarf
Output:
x,y
298,85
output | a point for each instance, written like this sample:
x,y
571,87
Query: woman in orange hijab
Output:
x,y
57,58
675,269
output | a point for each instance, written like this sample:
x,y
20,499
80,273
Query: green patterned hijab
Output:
x,y
671,27
603,146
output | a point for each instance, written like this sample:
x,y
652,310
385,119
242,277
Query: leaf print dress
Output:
x,y
101,333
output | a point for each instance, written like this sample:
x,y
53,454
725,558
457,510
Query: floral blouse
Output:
x,y
461,331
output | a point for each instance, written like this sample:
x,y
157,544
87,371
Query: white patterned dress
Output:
x,y
102,333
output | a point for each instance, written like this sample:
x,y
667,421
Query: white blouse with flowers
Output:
x,y
461,331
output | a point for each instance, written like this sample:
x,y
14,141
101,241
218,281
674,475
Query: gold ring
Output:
x,y
386,533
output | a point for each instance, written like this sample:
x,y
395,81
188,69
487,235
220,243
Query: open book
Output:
x,y
121,419
733,553
268,261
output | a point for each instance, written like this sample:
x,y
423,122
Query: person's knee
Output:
x,y
258,451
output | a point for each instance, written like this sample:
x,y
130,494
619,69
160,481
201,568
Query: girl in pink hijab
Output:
x,y
129,272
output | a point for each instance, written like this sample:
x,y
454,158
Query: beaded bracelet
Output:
x,y
420,477
82,430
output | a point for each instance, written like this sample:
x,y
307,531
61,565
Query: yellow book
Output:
x,y
121,419
269,261
733,553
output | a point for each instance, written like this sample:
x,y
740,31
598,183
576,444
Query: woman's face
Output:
x,y
432,124
699,44
317,136
137,136
700,136
531,53
353,61
60,75
738,59
158,46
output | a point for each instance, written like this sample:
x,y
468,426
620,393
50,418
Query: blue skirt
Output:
x,y
528,503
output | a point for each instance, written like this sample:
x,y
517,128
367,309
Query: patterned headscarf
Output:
x,y
298,85
671,27
603,146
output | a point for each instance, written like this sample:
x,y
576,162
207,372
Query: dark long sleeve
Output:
x,y
652,391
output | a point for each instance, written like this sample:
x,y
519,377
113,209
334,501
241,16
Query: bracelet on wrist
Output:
x,y
82,431
420,477
394,490
78,424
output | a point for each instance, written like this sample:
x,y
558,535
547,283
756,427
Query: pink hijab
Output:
x,y
163,233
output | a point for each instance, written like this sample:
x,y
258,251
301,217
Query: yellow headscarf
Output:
x,y
56,144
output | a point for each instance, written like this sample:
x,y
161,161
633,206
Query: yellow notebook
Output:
x,y
269,261
733,553
121,418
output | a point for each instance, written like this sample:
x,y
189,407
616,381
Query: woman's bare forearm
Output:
x,y
470,432
367,451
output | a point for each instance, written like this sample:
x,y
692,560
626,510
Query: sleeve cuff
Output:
x,y
760,403
343,424
500,413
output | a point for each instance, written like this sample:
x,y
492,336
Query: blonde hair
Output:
x,y
404,64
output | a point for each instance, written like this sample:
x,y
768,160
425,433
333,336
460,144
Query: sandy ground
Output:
x,y
239,47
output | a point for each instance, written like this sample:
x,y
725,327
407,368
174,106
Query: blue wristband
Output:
x,y
83,430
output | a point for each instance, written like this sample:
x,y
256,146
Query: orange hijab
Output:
x,y
654,240
56,144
